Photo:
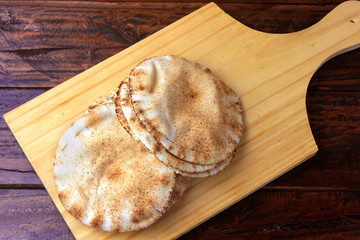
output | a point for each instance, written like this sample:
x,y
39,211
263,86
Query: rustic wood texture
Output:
x,y
39,216
298,220
63,54
271,82
332,104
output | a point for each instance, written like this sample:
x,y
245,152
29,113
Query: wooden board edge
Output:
x,y
5,116
45,187
12,113
313,153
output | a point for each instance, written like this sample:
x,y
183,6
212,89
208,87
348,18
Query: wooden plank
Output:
x,y
19,179
15,169
30,214
35,56
286,215
278,116
48,68
23,27
12,98
12,158
341,73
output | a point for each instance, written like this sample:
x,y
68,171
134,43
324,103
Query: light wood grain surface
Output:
x,y
270,73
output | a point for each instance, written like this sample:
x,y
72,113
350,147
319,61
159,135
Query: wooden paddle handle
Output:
x,y
336,33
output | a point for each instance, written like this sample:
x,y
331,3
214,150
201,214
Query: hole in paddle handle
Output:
x,y
353,20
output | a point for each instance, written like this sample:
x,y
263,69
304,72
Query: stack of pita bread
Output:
x,y
123,164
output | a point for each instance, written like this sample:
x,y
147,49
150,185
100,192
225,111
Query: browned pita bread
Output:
x,y
133,125
105,178
194,115
180,114
209,172
181,184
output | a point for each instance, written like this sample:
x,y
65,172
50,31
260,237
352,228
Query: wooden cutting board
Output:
x,y
270,73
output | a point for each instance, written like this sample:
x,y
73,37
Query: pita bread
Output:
x,y
194,115
133,125
181,184
105,178
209,172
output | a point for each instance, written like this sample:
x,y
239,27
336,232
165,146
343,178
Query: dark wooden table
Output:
x,y
44,44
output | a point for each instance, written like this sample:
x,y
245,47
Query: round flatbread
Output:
x,y
184,168
105,178
194,115
132,124
181,184
209,172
